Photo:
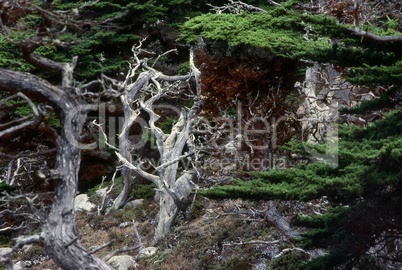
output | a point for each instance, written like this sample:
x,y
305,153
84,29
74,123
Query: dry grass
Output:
x,y
213,237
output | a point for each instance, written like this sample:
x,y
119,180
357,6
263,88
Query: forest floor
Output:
x,y
210,234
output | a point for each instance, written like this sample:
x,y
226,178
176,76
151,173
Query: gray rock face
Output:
x,y
82,203
123,262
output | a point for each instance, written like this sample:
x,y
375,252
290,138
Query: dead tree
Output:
x,y
149,87
58,236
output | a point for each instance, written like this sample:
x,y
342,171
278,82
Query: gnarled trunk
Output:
x,y
150,87
59,235
61,239
167,214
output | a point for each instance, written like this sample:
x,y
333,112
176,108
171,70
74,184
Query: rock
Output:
x,y
147,252
18,265
183,185
26,248
262,265
5,255
124,224
318,252
82,203
134,203
123,262
5,252
102,192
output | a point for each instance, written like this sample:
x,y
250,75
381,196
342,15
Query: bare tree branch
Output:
x,y
381,39
148,88
274,3
287,250
122,250
58,228
237,7
22,126
358,32
24,155
102,247
66,69
254,242
137,169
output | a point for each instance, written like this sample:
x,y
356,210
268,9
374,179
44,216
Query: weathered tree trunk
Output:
x,y
148,89
171,149
167,214
169,201
130,116
59,235
124,147
61,239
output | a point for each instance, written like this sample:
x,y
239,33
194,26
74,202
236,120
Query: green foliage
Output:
x,y
304,183
99,51
10,58
166,126
321,232
278,31
185,68
6,188
359,153
143,191
389,28
383,101
25,110
290,34
148,137
351,233
5,241
318,221
367,179
381,74
111,39
52,120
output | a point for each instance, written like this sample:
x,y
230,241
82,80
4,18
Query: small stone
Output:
x,y
134,203
82,203
124,224
102,192
147,252
123,262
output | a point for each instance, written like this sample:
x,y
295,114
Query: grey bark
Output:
x,y
148,89
59,236
130,115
